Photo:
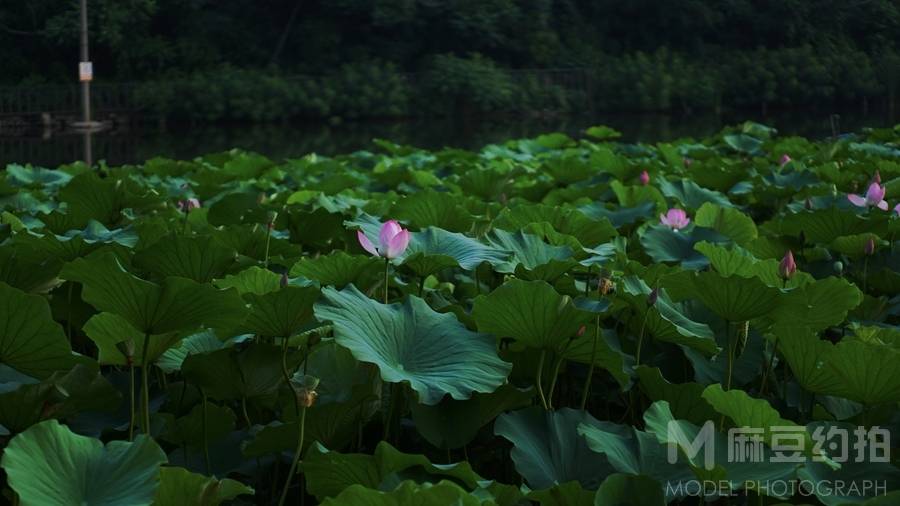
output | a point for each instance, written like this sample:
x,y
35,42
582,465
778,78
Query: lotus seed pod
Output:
x,y
654,295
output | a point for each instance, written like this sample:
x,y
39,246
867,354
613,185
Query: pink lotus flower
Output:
x,y
874,197
785,158
645,178
676,219
787,267
187,204
393,240
897,209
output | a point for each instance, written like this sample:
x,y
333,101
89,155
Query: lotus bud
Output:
x,y
897,209
645,178
869,248
838,267
876,178
785,158
787,267
284,280
654,295
392,240
808,204
581,330
563,302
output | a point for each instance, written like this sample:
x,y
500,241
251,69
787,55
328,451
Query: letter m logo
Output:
x,y
688,440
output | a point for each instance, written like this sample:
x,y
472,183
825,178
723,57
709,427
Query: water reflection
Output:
x,y
285,141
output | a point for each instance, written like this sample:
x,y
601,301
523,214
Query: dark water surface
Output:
x,y
293,140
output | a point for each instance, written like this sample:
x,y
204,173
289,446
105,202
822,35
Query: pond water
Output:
x,y
294,140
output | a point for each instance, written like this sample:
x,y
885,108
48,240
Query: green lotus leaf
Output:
x,y
607,354
547,450
407,493
663,244
36,177
190,429
569,221
620,215
728,221
339,372
807,356
602,133
634,452
433,209
175,304
22,403
565,494
22,268
865,372
281,313
339,269
531,254
531,312
107,330
665,320
823,226
254,372
736,261
179,487
198,258
817,305
329,473
84,389
48,464
627,489
733,298
685,399
252,280
691,195
743,143
30,341
453,424
746,411
434,249
411,343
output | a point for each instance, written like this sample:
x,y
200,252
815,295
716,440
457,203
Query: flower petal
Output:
x,y
388,231
397,245
366,243
856,200
883,205
664,220
875,194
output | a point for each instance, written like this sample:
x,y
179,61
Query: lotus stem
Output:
x,y
131,399
287,375
297,452
206,460
556,366
268,238
769,366
387,268
145,383
590,374
244,411
540,389
730,355
865,275
640,343
69,313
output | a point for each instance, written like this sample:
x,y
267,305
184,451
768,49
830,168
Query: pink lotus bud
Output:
x,y
787,267
785,158
676,219
897,209
581,330
645,178
392,240
869,248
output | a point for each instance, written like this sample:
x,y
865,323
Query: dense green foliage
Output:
x,y
539,315
210,60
